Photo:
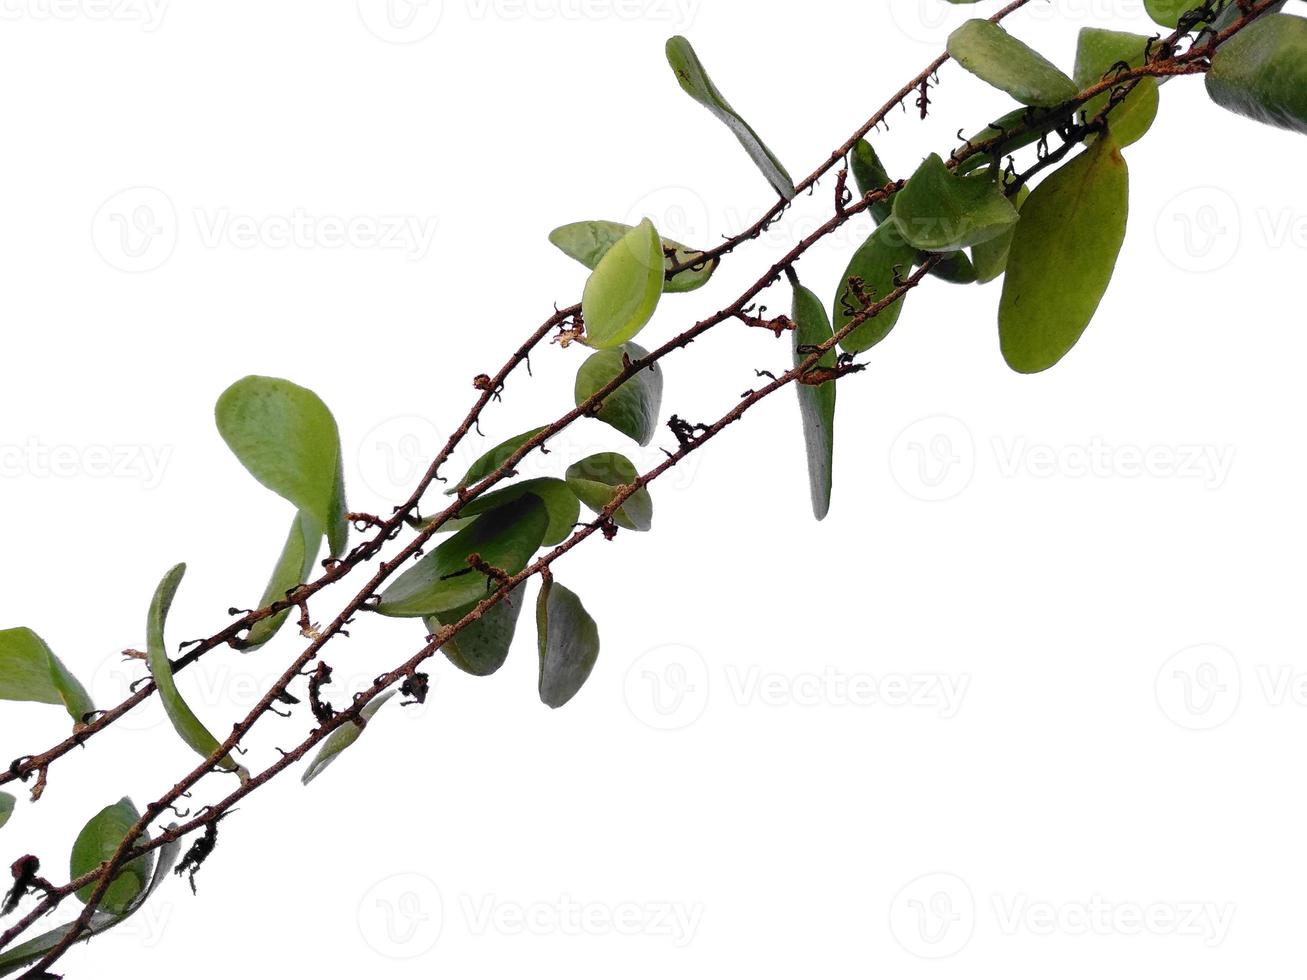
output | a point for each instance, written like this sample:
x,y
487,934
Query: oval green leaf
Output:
x,y
299,555
29,671
342,738
481,648
589,241
869,174
287,438
493,460
1097,55
816,403
97,843
184,721
696,83
568,640
871,275
633,408
995,56
559,500
1261,72
444,581
1168,12
598,479
622,293
990,258
7,802
940,212
1062,257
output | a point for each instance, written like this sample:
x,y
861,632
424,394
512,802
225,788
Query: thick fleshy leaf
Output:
x,y
940,212
557,496
187,725
622,293
97,843
633,408
596,481
991,53
694,79
14,959
1261,72
589,241
869,277
481,648
568,640
1014,130
342,738
952,267
816,403
287,438
1168,12
29,671
299,555
6,808
442,581
1098,54
989,259
869,174
492,460
1062,257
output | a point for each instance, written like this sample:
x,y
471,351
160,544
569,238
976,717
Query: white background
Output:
x,y
1070,786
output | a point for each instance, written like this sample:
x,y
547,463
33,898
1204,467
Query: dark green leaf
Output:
x,y
1062,257
187,725
869,174
6,808
1231,13
443,580
990,258
494,459
816,404
633,408
96,844
481,648
1014,131
1168,12
29,671
299,555
694,79
596,481
286,437
883,256
342,738
589,241
1261,72
559,501
622,293
991,53
940,212
952,267
569,643
1097,55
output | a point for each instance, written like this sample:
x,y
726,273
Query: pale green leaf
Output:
x,y
696,83
96,844
622,293
633,408
869,174
481,647
990,258
342,738
939,211
1098,54
992,54
882,257
568,640
589,241
816,403
299,555
1261,72
6,808
29,671
597,481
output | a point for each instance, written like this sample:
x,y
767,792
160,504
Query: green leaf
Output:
x,y
481,647
187,725
568,640
875,265
869,174
1062,257
286,437
622,293
990,258
1261,72
559,500
96,844
1231,13
597,480
29,671
633,408
694,79
1097,55
940,212
816,404
1026,125
299,555
342,738
29,952
443,580
494,459
589,241
1168,12
6,808
952,267
995,56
